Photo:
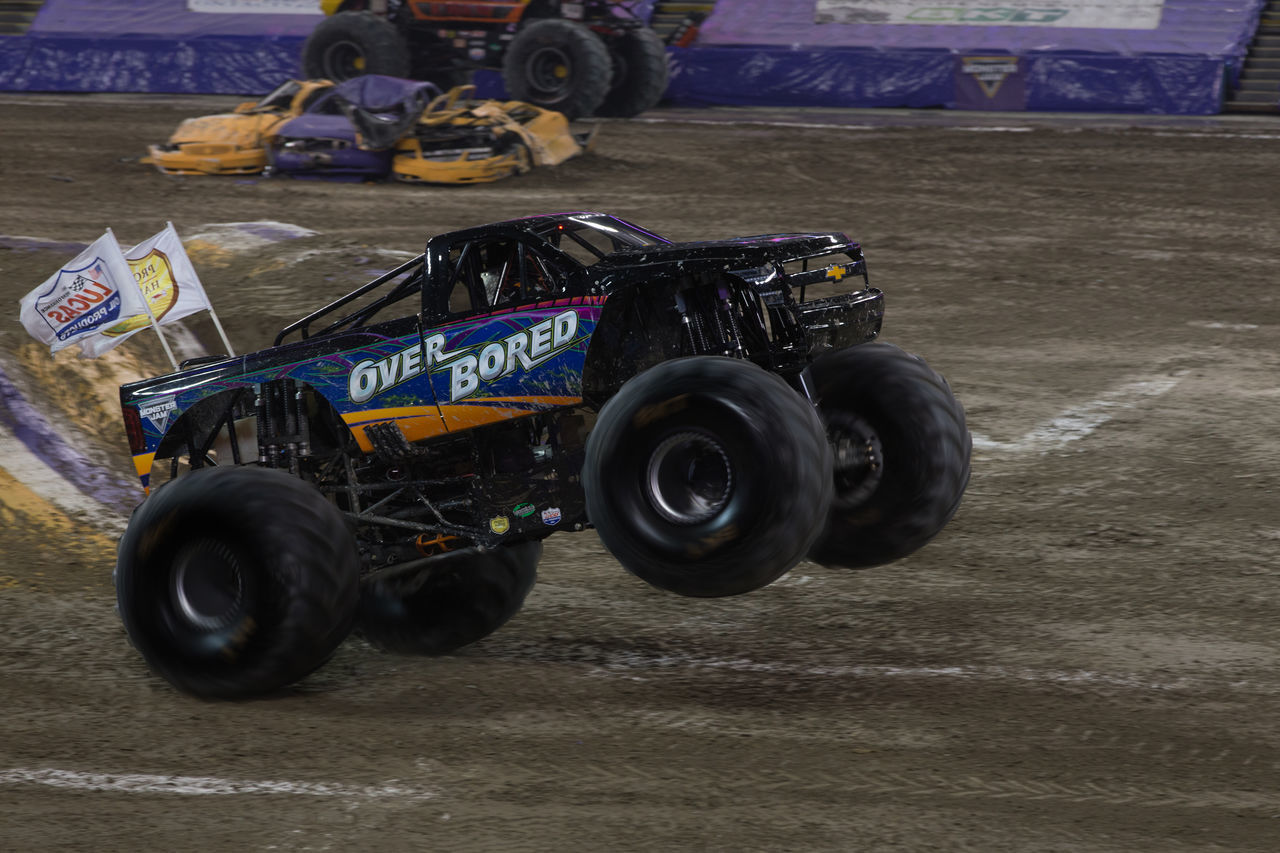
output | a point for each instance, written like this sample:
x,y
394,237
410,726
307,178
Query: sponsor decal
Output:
x,y
155,278
551,516
523,510
158,411
1086,14
500,524
467,367
989,71
255,7
80,299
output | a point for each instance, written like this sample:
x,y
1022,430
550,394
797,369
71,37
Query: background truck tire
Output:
x,y
901,449
350,44
457,599
707,476
236,581
640,73
558,65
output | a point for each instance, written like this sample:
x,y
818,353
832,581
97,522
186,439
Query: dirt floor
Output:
x,y
1084,660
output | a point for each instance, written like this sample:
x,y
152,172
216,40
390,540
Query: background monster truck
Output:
x,y
596,57
715,410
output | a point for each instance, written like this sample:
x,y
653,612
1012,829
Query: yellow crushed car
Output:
x,y
462,141
234,143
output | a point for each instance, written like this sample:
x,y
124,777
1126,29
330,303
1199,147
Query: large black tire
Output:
x,y
707,476
457,599
902,453
640,73
236,581
558,65
350,44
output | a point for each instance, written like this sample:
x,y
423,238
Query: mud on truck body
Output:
x,y
717,411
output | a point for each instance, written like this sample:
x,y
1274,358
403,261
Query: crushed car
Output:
x,y
234,143
717,411
373,127
455,139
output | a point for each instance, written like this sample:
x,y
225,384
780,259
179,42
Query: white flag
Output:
x,y
166,279
94,291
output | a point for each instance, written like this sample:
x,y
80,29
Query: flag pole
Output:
x,y
213,315
147,306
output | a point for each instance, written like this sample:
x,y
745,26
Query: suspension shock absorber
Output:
x,y
693,325
731,321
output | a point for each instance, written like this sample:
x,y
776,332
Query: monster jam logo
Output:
x,y
158,411
467,367
989,71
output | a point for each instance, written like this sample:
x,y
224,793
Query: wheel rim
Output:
x,y
549,71
343,60
689,478
858,459
207,585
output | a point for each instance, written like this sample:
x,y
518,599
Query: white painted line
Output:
x,y
762,123
891,123
1223,135
1230,327
813,125
614,661
141,783
1080,421
29,470
994,129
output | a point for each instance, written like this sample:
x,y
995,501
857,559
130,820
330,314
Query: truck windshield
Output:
x,y
589,237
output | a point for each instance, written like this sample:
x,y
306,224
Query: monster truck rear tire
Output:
x,y
236,581
902,453
350,44
455,600
558,65
707,476
640,73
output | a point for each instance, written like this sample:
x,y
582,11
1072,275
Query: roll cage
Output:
x,y
489,268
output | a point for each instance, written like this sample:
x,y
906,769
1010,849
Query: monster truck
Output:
x,y
591,58
717,411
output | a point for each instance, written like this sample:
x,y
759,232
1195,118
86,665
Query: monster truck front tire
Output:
x,y
640,73
456,599
901,450
350,44
236,581
707,476
558,65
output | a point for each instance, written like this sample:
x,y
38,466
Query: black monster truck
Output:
x,y
587,58
716,410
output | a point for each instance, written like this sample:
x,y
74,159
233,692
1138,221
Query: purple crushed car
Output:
x,y
351,131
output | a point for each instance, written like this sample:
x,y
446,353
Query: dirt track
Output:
x,y
1084,660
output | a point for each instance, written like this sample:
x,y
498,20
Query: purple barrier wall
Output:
x,y
240,47
1159,56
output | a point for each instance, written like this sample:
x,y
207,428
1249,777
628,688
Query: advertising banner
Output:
x,y
1080,14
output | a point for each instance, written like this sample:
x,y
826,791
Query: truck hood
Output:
x,y
739,251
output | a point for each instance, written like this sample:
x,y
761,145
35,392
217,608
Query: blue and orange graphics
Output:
x,y
474,372
453,377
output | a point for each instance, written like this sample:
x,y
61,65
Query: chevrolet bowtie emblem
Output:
x,y
837,272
